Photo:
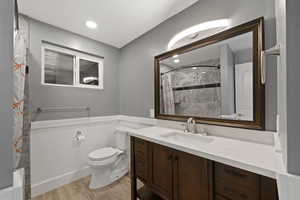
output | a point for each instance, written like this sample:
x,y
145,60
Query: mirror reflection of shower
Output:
x,y
215,81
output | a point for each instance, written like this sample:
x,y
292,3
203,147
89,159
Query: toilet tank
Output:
x,y
121,140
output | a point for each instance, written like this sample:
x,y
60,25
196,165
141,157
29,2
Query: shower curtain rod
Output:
x,y
190,66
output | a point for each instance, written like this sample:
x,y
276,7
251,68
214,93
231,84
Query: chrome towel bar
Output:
x,y
61,108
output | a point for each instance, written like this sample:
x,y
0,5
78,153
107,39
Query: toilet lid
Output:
x,y
101,154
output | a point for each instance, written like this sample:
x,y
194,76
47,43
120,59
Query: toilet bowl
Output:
x,y
109,164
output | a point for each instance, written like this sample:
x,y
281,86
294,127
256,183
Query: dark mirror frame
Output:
x,y
257,28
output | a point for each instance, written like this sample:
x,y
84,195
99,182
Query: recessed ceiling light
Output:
x,y
91,24
176,61
194,68
175,56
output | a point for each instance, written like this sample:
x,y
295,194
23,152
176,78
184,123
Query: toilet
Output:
x,y
109,164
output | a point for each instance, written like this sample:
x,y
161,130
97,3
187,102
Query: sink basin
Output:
x,y
187,138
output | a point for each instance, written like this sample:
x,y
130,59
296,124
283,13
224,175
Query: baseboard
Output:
x,y
16,191
58,181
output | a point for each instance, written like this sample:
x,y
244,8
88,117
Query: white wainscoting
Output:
x,y
57,159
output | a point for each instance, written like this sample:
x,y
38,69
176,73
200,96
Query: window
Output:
x,y
65,67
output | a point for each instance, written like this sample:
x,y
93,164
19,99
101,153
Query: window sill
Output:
x,y
74,86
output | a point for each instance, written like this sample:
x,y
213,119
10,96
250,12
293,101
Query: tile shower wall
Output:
x,y
197,101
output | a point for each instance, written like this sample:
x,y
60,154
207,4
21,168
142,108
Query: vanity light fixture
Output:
x,y
198,28
91,24
176,61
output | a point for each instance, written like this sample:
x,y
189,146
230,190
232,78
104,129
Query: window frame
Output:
x,y
76,67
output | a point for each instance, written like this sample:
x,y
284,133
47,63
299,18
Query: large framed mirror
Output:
x,y
216,80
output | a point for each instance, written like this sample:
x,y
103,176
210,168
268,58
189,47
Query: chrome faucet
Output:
x,y
190,126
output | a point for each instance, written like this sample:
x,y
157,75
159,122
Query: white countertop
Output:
x,y
257,158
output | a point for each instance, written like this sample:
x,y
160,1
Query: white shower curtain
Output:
x,y
19,75
168,95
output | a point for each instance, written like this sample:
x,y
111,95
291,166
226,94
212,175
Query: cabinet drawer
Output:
x,y
140,159
235,192
140,147
234,176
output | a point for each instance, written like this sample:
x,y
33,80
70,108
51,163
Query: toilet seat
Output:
x,y
103,154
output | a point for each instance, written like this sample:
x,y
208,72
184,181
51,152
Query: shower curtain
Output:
x,y
20,106
168,95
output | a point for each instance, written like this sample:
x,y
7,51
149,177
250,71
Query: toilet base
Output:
x,y
106,177
118,174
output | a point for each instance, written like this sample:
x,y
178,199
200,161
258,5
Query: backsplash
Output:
x,y
262,137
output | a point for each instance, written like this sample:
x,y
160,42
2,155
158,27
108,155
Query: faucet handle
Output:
x,y
190,120
203,131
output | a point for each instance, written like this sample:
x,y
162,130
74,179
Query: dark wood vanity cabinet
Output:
x,y
171,174
141,159
161,170
168,174
177,175
190,177
237,184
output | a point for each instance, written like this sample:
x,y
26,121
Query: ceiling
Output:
x,y
119,21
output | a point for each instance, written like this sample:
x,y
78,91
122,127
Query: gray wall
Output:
x,y
227,80
293,81
6,63
243,56
137,58
101,102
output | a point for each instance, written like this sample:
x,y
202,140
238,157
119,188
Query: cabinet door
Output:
x,y
191,177
160,178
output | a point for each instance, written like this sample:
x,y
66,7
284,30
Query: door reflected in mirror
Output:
x,y
215,81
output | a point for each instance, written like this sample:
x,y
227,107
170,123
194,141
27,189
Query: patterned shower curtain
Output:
x,y
168,95
19,77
